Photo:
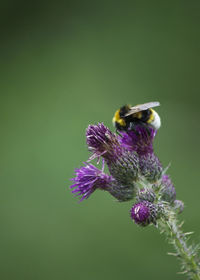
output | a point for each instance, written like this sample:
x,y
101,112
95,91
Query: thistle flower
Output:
x,y
140,139
130,159
178,206
168,192
88,179
102,142
144,213
122,164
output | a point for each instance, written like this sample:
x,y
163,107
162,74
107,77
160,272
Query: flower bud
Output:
x,y
168,192
178,206
144,213
150,167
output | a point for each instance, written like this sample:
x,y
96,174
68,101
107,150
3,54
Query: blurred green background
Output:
x,y
68,64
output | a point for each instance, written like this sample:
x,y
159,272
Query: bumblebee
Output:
x,y
127,117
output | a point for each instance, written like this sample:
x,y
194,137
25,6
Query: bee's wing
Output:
x,y
142,107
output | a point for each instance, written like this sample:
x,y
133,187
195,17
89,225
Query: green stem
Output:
x,y
186,254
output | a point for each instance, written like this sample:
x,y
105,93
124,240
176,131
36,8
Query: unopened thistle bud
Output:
x,y
144,213
150,167
168,192
178,206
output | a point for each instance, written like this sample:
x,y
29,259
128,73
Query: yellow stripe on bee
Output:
x,y
118,119
138,115
151,117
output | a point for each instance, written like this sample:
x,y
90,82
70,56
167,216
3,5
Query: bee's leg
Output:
x,y
132,126
147,128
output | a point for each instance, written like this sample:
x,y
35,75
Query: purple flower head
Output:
x,y
168,190
140,213
102,142
139,139
122,164
144,213
88,179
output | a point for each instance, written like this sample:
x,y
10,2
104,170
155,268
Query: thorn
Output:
x,y
155,224
181,224
172,254
189,233
182,272
165,170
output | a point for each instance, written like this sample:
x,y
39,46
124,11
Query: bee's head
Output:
x,y
124,110
119,117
